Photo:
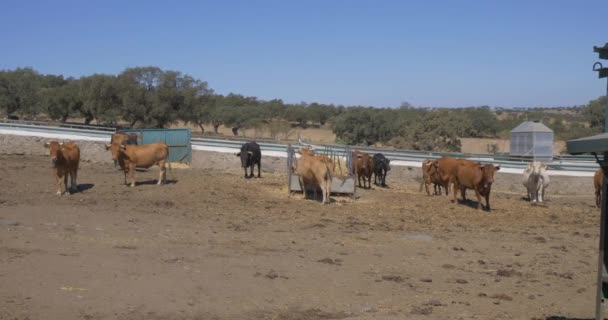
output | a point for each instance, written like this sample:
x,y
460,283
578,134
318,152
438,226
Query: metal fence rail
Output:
x,y
567,163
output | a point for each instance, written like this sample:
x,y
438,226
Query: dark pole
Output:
x,y
602,287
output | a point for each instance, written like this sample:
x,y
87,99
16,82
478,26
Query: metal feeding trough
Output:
x,y
343,180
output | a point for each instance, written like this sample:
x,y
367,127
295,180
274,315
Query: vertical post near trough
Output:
x,y
598,145
602,275
289,166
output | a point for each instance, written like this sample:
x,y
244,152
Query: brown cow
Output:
x,y
315,170
131,157
473,175
447,168
118,139
598,180
430,175
363,167
65,158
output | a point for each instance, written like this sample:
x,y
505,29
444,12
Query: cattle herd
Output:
x,y
315,171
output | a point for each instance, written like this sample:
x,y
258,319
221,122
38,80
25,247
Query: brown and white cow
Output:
x,y
65,158
598,180
476,176
131,157
430,175
316,171
363,167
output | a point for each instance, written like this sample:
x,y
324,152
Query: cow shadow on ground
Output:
x,y
84,187
472,204
155,181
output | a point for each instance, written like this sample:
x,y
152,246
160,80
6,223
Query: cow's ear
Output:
x,y
238,154
61,144
46,145
497,168
108,146
123,147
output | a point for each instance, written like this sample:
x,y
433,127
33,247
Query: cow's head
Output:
x,y
388,164
54,150
488,171
306,152
245,157
537,167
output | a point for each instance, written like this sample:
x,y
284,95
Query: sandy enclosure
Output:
x,y
212,245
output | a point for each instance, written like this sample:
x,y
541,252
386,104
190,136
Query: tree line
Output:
x,y
150,97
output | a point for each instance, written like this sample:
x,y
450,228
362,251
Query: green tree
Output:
x,y
594,111
199,103
100,99
19,92
63,101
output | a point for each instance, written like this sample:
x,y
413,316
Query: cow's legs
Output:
x,y
58,183
132,175
246,176
488,200
303,186
162,173
456,187
541,193
251,167
478,195
65,181
74,183
259,169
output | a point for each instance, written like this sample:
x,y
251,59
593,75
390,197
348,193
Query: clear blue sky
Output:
x,y
429,53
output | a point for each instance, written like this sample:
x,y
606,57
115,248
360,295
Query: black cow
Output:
x,y
381,167
250,156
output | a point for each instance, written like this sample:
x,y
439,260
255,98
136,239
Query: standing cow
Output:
x,y
430,175
382,166
118,139
363,167
447,169
316,171
65,158
476,176
131,157
250,156
598,180
536,180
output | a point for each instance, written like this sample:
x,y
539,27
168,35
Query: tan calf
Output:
x,y
65,158
317,171
131,157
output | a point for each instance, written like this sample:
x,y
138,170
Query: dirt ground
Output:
x,y
212,245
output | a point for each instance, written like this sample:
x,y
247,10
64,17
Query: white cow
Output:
x,y
536,180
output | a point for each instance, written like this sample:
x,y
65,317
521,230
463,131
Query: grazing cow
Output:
x,y
473,175
250,156
536,180
430,175
447,168
363,166
65,158
131,157
118,139
598,180
382,166
316,171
